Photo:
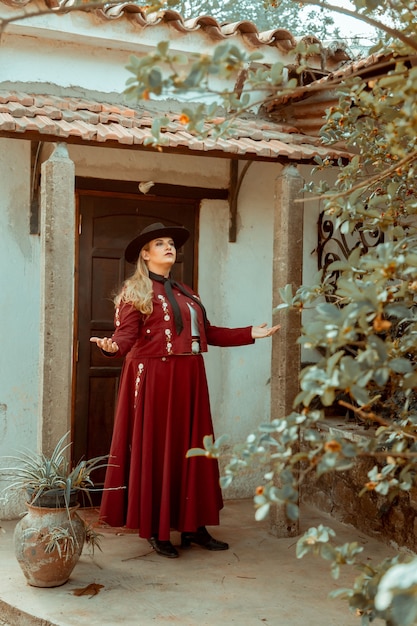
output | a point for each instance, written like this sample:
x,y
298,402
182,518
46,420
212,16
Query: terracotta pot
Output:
x,y
32,534
52,498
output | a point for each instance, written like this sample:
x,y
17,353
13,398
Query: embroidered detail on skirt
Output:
x,y
137,381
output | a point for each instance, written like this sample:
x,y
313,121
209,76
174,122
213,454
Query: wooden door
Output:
x,y
107,223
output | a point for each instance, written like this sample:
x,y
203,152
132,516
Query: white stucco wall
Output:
x,y
130,165
92,68
236,285
85,50
19,309
239,293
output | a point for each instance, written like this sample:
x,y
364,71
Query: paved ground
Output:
x,y
258,581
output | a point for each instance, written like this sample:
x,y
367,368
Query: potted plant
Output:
x,y
49,538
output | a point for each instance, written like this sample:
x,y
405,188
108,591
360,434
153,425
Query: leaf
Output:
x,y
360,395
381,375
292,511
401,366
195,452
277,71
155,77
256,56
404,609
221,440
180,59
90,590
286,294
208,442
163,47
262,512
226,481
220,52
345,228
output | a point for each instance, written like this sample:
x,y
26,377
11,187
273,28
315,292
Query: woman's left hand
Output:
x,y
258,332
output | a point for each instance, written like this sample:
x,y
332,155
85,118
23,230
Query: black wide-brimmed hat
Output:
x,y
178,233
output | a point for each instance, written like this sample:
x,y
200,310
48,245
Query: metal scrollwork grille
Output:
x,y
332,245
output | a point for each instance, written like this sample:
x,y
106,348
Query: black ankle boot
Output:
x,y
202,538
164,548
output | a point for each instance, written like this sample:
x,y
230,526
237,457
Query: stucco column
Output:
x,y
57,296
287,268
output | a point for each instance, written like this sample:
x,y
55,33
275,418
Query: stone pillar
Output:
x,y
287,268
57,296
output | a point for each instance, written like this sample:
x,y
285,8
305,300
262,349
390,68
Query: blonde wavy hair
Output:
x,y
137,290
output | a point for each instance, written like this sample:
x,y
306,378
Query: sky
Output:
x,y
348,25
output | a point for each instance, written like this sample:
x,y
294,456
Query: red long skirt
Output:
x,y
163,411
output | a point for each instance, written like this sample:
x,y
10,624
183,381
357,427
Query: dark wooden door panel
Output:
x,y
108,223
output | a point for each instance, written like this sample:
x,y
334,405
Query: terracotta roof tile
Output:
x,y
88,131
239,147
62,103
117,110
52,118
139,135
42,101
89,117
194,143
65,129
15,109
12,97
45,123
171,139
120,133
243,26
23,124
106,118
77,104
7,122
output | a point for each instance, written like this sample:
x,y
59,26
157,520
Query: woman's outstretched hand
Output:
x,y
106,344
258,332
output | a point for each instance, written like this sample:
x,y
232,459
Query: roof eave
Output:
x,y
211,153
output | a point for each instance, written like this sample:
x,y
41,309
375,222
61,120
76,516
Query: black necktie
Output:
x,y
169,283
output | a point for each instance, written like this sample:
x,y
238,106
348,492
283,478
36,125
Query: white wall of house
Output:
x,y
19,310
82,50
236,281
72,65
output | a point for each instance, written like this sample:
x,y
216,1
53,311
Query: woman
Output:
x,y
163,405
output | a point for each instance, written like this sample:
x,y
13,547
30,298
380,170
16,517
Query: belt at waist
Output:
x,y
195,349
195,345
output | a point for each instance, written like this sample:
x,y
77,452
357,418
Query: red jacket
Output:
x,y
156,336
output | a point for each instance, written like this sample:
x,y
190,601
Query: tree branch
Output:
x,y
363,18
367,182
371,416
